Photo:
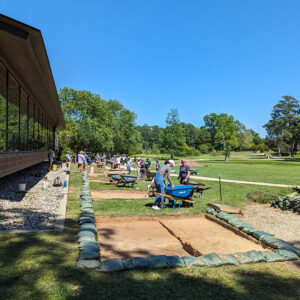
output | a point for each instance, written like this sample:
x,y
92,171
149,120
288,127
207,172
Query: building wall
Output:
x,y
13,162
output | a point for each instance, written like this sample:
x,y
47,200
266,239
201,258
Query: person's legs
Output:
x,y
160,188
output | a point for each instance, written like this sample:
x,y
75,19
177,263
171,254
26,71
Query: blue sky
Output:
x,y
232,56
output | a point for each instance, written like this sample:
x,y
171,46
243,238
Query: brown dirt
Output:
x,y
136,238
192,163
187,235
203,236
99,179
118,194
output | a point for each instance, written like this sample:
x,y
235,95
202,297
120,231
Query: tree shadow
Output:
x,y
26,219
42,266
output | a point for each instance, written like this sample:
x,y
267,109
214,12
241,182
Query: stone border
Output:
x,y
90,251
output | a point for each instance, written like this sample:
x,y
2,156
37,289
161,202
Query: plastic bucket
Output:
x,y
54,167
21,187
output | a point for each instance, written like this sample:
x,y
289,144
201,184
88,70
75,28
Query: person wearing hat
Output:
x,y
160,185
184,173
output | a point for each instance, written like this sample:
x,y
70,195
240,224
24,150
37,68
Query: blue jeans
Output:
x,y
129,169
160,188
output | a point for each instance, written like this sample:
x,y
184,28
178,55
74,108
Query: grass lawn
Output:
x,y
232,194
284,172
42,266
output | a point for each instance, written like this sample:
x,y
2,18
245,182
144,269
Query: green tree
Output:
x,y
172,138
284,126
96,124
226,133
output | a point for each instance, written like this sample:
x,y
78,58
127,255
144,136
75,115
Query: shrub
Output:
x,y
260,196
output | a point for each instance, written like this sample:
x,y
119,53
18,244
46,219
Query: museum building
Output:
x,y
30,111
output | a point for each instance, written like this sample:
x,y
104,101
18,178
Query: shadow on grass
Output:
x,y
42,266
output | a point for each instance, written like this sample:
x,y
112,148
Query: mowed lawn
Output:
x,y
232,194
257,170
42,266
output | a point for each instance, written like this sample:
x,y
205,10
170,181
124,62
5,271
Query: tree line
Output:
x,y
95,124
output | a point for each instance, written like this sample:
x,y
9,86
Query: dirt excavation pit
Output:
x,y
99,179
183,236
118,194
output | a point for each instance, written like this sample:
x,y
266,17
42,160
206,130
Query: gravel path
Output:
x,y
283,224
36,209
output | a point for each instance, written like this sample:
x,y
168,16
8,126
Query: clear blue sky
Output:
x,y
232,56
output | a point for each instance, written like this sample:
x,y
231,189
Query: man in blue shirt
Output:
x,y
184,173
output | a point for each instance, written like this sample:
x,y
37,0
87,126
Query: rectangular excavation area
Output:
x,y
118,194
201,236
128,237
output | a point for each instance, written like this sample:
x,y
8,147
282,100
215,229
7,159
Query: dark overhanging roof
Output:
x,y
23,51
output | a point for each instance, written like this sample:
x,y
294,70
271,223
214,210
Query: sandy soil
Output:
x,y
143,236
204,236
118,194
136,238
283,224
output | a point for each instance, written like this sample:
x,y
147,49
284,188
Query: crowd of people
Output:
x,y
142,166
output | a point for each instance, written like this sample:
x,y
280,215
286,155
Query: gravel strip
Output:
x,y
283,224
37,208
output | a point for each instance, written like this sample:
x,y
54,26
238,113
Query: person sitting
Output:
x,y
160,185
184,173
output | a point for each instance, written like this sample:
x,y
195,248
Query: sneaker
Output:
x,y
155,207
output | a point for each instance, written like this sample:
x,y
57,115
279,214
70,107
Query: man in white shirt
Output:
x,y
80,160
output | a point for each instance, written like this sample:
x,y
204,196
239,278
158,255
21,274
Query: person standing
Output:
x,y
184,173
80,160
138,168
51,156
129,165
157,165
68,159
159,183
143,169
148,165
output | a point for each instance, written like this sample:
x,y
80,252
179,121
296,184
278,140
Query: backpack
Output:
x,y
57,181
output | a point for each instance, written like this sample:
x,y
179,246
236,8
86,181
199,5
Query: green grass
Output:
x,y
282,172
232,194
42,266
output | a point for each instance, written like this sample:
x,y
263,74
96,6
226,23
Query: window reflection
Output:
x,y
26,128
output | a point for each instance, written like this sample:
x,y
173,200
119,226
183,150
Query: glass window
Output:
x,y
23,120
13,114
31,125
2,124
2,108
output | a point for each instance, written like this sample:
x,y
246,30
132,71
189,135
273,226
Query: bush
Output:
x,y
204,148
260,196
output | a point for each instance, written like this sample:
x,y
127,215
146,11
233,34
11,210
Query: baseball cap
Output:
x,y
171,161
